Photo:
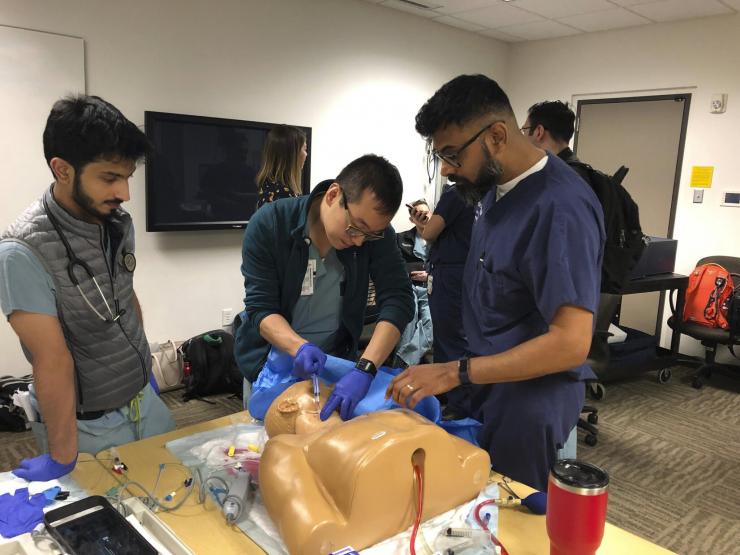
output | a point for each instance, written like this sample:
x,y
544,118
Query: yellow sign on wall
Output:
x,y
701,176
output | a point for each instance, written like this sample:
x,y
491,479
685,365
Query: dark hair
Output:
x,y
376,174
555,116
280,161
82,129
461,100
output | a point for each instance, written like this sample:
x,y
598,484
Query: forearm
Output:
x,y
384,339
137,307
549,353
277,332
55,391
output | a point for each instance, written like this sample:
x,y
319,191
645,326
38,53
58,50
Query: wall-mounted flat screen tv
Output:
x,y
202,173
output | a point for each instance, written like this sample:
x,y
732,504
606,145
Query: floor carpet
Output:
x,y
673,454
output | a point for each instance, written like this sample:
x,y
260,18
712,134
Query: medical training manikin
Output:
x,y
331,484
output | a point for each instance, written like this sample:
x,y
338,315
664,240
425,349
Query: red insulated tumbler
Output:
x,y
576,507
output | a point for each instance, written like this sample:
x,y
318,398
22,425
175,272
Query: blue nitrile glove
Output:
x,y
43,468
308,360
19,513
350,390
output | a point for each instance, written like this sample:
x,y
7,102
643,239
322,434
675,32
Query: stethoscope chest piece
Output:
x,y
129,261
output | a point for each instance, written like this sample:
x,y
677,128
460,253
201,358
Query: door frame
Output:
x,y
678,97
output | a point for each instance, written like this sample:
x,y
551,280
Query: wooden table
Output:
x,y
203,528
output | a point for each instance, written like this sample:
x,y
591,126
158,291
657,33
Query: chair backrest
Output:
x,y
729,263
598,356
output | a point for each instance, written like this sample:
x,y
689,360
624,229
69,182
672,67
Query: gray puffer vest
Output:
x,y
112,358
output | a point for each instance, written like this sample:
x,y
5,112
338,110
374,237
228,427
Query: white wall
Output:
x,y
355,72
699,55
35,70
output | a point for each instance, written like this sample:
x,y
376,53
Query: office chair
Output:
x,y
598,360
709,337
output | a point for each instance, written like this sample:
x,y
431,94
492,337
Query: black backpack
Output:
x,y
625,240
212,364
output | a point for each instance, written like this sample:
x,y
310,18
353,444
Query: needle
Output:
x,y
315,380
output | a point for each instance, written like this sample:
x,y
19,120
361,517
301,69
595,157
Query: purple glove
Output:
x,y
43,468
349,391
308,360
20,513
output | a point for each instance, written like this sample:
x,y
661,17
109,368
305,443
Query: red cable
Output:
x,y
484,526
420,504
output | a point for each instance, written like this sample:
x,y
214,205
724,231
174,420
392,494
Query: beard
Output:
x,y
488,177
86,203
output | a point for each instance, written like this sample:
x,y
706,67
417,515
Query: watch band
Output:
x,y
366,366
463,365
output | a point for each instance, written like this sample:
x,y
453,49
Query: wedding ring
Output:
x,y
411,387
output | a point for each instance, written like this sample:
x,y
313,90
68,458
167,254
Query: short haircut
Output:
x,y
280,157
555,116
374,173
83,129
465,98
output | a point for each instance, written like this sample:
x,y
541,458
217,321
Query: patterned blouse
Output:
x,y
273,190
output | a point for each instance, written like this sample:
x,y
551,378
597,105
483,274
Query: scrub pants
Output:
x,y
116,427
417,337
526,423
450,343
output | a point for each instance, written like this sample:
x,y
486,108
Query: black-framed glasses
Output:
x,y
452,157
354,231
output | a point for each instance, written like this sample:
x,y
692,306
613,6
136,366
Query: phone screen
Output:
x,y
101,530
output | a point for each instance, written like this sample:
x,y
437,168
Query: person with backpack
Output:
x,y
549,126
531,281
66,285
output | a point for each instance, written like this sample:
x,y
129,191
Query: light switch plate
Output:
x,y
698,196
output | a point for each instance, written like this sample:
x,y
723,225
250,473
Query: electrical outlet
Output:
x,y
718,103
698,196
227,316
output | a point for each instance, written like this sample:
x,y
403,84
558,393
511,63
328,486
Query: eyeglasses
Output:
x,y
452,157
525,129
354,231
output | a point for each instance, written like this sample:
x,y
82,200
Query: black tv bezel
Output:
x,y
151,118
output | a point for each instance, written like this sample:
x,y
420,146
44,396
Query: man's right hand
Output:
x,y
43,468
309,360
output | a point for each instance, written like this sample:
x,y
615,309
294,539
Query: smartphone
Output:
x,y
92,526
411,209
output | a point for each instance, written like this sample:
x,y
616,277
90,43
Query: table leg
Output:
x,y
677,319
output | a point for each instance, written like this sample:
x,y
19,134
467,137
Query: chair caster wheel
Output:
x,y
593,418
664,375
596,391
591,440
696,383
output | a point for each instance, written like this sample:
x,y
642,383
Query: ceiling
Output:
x,y
522,20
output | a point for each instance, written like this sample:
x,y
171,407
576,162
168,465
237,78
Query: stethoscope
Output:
x,y
74,261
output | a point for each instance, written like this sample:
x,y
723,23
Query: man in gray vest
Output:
x,y
66,287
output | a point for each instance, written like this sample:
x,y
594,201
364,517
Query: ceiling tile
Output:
x,y
459,23
601,21
632,2
498,15
562,8
540,30
404,7
455,6
500,35
671,10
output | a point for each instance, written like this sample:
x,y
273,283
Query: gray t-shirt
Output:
x,y
24,282
316,315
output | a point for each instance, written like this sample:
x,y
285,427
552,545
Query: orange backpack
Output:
x,y
710,287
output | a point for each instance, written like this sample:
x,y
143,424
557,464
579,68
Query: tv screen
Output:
x,y
202,172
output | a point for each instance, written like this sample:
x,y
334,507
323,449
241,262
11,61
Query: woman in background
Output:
x,y
282,162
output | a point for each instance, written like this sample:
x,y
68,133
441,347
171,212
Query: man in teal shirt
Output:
x,y
306,263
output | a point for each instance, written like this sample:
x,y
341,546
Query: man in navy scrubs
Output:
x,y
531,281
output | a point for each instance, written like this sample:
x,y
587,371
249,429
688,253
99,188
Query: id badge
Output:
x,y
430,280
307,286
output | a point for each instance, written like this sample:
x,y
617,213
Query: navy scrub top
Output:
x,y
539,247
451,247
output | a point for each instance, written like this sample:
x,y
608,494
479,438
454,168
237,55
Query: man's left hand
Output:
x,y
43,468
417,382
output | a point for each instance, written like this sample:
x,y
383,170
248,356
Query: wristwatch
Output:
x,y
366,366
463,365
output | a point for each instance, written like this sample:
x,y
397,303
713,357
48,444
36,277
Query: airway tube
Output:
x,y
420,504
